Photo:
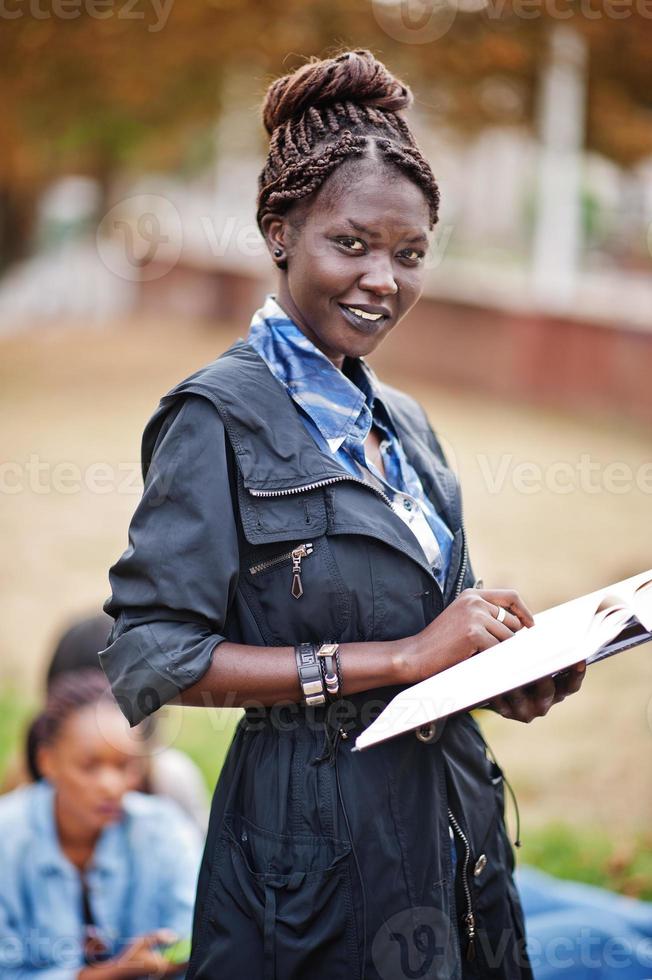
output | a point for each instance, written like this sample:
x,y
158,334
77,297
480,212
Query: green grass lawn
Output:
x,y
592,856
15,713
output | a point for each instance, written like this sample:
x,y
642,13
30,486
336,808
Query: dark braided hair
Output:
x,y
331,111
68,693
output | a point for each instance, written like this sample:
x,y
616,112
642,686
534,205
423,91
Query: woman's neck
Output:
x,y
77,841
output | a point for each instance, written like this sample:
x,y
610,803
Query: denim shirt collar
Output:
x,y
340,407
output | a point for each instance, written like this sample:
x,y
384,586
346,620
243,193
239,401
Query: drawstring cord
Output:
x,y
329,754
517,812
271,886
357,864
269,968
333,734
329,747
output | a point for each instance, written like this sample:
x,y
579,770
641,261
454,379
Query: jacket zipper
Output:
x,y
315,486
464,563
469,916
297,555
353,479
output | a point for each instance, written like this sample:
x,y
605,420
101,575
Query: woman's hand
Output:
x,y
148,961
138,959
467,626
535,700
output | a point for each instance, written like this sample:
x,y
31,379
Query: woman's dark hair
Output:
x,y
330,111
78,646
68,693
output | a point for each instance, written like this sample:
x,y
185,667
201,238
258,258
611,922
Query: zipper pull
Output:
x,y
298,553
469,921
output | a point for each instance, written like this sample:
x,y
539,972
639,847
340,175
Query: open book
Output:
x,y
590,628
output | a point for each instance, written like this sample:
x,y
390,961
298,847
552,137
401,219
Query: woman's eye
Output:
x,y
354,244
413,254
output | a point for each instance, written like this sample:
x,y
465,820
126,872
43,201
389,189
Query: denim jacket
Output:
x,y
142,877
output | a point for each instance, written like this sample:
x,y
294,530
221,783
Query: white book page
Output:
x,y
642,603
561,636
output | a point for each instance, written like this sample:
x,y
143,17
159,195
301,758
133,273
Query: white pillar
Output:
x,y
231,233
558,226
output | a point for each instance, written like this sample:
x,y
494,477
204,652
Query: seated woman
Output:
x,y
94,878
164,770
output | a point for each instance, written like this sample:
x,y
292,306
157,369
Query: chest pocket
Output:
x,y
289,578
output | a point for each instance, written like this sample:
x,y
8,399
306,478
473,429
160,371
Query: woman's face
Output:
x,y
92,763
355,258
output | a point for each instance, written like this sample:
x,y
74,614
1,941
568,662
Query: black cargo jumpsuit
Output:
x,y
319,862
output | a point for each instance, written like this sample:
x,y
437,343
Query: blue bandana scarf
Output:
x,y
339,412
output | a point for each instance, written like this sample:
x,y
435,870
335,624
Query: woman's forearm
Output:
x,y
241,674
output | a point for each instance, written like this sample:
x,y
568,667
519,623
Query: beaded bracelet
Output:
x,y
328,654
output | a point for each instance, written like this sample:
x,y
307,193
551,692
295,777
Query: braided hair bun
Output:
x,y
354,76
333,111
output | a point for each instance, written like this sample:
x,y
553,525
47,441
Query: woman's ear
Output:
x,y
275,231
45,762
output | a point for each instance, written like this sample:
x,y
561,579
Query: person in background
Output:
x,y
95,878
581,932
163,770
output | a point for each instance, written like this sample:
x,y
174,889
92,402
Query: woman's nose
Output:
x,y
112,782
378,278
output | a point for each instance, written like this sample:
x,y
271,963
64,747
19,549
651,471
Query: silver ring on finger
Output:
x,y
500,615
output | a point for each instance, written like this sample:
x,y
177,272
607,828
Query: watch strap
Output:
x,y
310,675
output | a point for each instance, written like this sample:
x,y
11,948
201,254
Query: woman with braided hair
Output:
x,y
299,551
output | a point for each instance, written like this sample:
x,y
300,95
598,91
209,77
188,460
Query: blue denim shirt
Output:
x,y
142,877
339,413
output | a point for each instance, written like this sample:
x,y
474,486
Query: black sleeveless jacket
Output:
x,y
318,862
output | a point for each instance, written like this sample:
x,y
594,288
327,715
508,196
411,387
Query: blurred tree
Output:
x,y
508,39
96,89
